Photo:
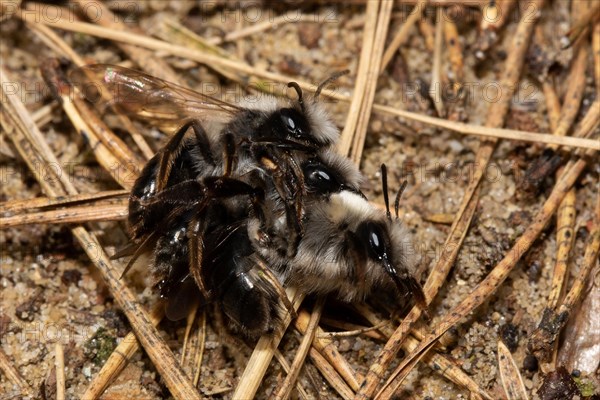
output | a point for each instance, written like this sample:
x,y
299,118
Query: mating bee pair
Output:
x,y
246,198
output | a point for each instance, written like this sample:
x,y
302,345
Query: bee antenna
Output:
x,y
398,196
386,196
298,90
327,81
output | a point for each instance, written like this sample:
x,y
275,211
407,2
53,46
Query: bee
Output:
x,y
247,198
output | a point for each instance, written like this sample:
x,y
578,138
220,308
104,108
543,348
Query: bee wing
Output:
x,y
146,97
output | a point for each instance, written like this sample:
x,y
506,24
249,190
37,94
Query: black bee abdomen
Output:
x,y
245,303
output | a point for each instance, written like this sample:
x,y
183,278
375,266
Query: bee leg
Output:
x,y
217,187
289,183
196,230
230,155
275,285
169,152
148,214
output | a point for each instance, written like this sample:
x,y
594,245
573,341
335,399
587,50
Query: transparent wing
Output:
x,y
146,97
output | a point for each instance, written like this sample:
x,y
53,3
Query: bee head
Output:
x,y
330,173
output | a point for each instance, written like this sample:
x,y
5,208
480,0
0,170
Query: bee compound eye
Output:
x,y
375,240
293,122
319,179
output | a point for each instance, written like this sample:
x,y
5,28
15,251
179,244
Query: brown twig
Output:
x,y
575,90
511,378
428,32
436,69
596,54
402,34
16,206
494,16
579,28
455,51
13,376
71,215
60,370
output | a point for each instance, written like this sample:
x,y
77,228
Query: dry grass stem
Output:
x,y
327,348
71,215
191,317
33,149
350,126
263,353
259,27
511,378
202,340
286,368
428,32
370,331
596,54
495,16
585,15
118,359
172,31
13,376
496,115
590,260
402,34
331,376
575,90
145,59
209,59
18,206
565,237
60,370
455,51
436,69
286,387
490,132
372,75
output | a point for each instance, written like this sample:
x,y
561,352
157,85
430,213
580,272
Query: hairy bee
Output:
x,y
245,198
